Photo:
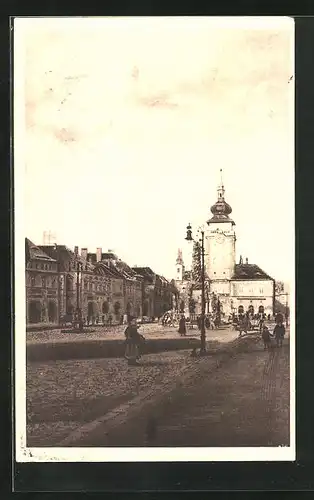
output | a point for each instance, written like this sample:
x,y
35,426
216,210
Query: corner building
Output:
x,y
240,287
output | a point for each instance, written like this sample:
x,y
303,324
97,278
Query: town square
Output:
x,y
79,372
155,235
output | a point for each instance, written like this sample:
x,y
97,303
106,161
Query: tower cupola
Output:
x,y
221,209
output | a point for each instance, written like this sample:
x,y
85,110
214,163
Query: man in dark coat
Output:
x,y
279,333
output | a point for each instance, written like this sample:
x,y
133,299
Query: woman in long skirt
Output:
x,y
132,343
182,327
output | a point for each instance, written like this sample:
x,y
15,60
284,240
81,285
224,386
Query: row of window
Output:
x,y
43,281
44,267
98,287
48,281
250,291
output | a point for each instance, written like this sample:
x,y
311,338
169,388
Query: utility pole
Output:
x,y
203,332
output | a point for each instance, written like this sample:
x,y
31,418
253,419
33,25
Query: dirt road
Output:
x,y
244,402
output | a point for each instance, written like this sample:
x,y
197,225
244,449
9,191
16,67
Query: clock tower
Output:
x,y
220,242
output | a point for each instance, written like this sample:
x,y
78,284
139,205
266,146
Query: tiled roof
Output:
x,y
63,255
118,268
125,269
249,272
163,279
145,272
105,270
92,256
36,252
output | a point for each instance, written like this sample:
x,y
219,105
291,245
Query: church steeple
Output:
x,y
179,257
179,266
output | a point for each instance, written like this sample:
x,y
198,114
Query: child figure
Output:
x,y
266,338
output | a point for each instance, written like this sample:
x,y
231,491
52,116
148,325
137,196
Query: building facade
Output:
x,y
42,286
239,287
157,292
60,281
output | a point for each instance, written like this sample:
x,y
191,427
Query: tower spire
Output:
x,y
221,209
221,188
179,257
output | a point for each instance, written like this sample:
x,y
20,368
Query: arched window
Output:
x,y
251,309
105,307
69,283
90,309
145,308
117,308
52,312
38,281
34,312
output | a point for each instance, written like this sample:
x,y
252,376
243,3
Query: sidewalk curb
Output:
x,y
122,413
101,348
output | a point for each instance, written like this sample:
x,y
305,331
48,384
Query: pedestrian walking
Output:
x,y
133,342
199,322
266,338
182,326
261,324
279,333
243,325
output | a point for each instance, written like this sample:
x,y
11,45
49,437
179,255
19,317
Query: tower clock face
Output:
x,y
220,238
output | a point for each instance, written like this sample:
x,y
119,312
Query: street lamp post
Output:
x,y
286,310
79,268
203,333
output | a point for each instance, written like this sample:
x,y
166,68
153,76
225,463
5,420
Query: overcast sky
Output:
x,y
128,122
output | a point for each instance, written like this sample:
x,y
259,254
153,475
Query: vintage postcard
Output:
x,y
154,239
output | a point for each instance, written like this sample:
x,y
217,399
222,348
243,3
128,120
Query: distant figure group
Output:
x,y
210,322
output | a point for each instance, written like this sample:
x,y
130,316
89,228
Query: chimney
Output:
x,y
84,253
246,260
76,250
98,254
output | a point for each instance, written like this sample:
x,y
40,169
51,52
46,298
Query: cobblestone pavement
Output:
x,y
245,402
63,395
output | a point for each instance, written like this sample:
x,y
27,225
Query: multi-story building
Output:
x,y
127,285
42,286
240,287
101,285
70,281
157,292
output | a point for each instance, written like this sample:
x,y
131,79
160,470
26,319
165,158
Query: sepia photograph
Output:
x,y
154,239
